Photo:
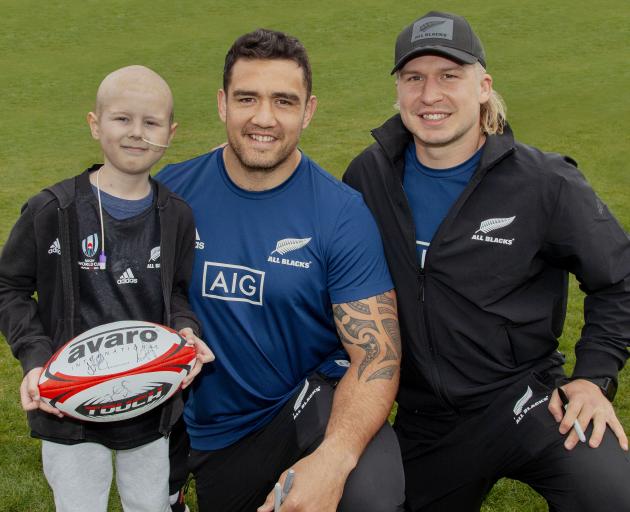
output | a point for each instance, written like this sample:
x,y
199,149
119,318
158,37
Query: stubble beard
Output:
x,y
260,162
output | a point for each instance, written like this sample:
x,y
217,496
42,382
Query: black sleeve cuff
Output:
x,y
35,354
594,364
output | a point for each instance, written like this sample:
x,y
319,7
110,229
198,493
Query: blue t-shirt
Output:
x,y
122,209
432,192
268,267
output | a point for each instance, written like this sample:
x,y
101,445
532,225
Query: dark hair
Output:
x,y
268,44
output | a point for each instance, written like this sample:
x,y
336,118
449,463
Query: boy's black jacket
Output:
x,y
491,301
35,329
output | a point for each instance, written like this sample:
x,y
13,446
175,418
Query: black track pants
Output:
x,y
239,477
451,463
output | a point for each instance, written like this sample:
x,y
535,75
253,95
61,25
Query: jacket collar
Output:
x,y
394,138
497,147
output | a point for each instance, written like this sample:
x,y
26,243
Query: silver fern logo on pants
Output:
x,y
303,399
518,406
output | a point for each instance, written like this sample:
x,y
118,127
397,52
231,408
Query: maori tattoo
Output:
x,y
383,373
338,312
371,325
384,298
390,355
372,349
357,326
360,307
393,332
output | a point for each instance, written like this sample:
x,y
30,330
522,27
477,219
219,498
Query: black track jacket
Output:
x,y
491,302
35,329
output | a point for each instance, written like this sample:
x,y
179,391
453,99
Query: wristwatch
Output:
x,y
607,385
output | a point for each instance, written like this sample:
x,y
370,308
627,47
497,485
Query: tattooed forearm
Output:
x,y
386,305
360,307
338,312
383,373
386,299
393,332
390,355
344,339
371,325
372,350
356,327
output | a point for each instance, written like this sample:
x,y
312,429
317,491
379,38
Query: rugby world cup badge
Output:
x,y
90,245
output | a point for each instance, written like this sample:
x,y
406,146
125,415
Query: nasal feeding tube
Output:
x,y
155,143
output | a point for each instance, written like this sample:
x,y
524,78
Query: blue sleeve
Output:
x,y
164,174
356,262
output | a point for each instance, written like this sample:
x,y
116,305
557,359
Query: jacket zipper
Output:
x,y
424,330
421,276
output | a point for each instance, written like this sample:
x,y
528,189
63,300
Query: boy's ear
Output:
x,y
92,120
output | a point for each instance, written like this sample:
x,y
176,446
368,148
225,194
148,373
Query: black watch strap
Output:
x,y
607,385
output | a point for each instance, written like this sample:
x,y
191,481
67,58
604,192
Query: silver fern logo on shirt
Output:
x,y
289,245
154,258
490,226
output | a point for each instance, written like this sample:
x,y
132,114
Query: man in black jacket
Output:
x,y
480,232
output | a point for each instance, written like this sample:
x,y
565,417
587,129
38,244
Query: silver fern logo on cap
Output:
x,y
490,225
290,244
426,26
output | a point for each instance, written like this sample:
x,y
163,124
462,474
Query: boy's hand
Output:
x,y
204,354
29,394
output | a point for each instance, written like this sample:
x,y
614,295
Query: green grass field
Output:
x,y
561,65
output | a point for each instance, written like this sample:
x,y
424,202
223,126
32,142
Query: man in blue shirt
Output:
x,y
289,262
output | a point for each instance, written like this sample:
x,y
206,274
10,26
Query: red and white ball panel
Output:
x,y
116,371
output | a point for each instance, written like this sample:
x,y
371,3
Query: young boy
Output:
x,y
109,244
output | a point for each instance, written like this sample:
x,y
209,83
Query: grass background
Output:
x,y
561,65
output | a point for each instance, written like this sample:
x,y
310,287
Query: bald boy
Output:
x,y
87,251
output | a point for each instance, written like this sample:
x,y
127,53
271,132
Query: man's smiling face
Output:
x,y
440,99
265,110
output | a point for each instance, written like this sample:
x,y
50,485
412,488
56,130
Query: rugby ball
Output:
x,y
116,371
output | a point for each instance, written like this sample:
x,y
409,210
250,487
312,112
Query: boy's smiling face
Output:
x,y
132,104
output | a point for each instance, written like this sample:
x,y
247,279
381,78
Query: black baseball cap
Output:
x,y
439,33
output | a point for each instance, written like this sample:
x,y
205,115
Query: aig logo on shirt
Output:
x,y
224,281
